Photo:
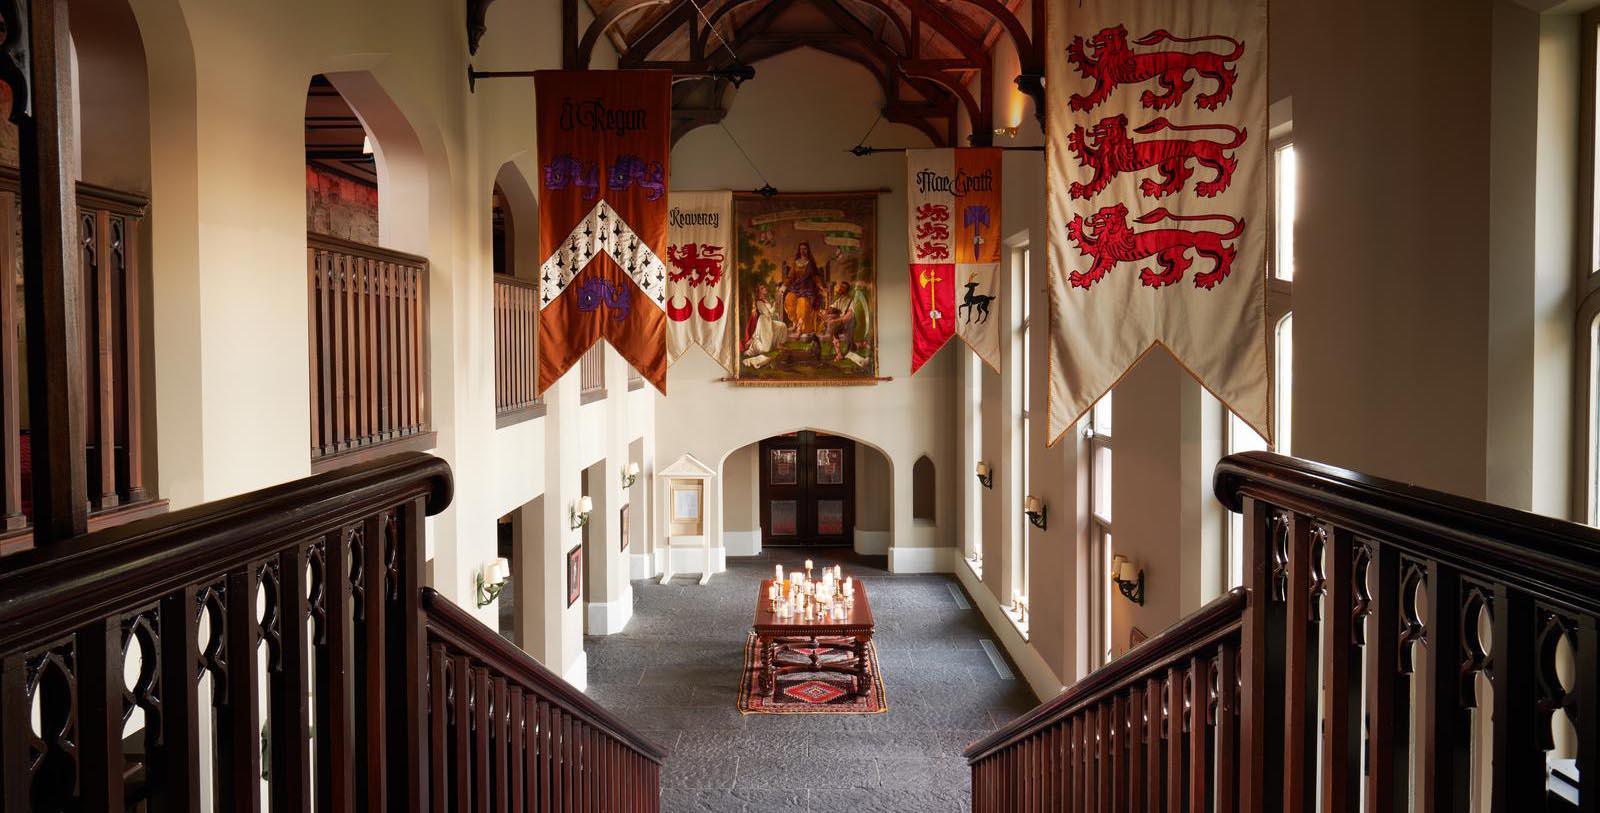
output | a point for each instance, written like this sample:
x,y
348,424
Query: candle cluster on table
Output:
x,y
800,595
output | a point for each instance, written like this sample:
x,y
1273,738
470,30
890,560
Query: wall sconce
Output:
x,y
1006,132
630,475
1131,584
581,511
1035,510
492,578
985,474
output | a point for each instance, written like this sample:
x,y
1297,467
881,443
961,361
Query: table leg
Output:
x,y
861,666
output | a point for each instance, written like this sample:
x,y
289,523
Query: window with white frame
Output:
x,y
1021,382
1238,436
1097,435
974,394
1586,448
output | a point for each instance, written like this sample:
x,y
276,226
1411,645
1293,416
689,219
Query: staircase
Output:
x,y
1393,648
278,650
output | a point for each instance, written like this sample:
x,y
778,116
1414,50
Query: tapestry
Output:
x,y
699,294
953,226
1157,170
829,690
603,144
807,288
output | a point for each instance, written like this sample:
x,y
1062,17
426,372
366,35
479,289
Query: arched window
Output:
x,y
923,492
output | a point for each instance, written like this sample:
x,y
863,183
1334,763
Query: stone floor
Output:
x,y
674,674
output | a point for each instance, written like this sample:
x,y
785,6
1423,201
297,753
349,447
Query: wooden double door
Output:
x,y
808,492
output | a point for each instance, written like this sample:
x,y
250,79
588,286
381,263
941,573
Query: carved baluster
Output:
x,y
331,610
238,711
1305,583
1446,723
1584,704
1341,753
289,676
1262,655
100,715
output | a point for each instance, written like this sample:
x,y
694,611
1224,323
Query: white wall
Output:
x,y
797,119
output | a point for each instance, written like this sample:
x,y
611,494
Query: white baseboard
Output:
x,y
1041,678
578,673
873,543
742,543
610,617
641,566
693,560
921,560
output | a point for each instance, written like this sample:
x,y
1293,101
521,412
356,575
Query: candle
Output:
x,y
808,564
849,588
779,570
838,572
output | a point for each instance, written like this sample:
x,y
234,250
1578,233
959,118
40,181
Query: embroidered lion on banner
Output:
x,y
1107,148
1106,237
1109,61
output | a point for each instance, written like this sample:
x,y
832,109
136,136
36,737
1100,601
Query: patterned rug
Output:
x,y
809,692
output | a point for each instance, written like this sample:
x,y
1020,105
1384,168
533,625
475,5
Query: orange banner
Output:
x,y
604,138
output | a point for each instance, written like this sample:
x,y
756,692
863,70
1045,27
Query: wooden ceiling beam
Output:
x,y
603,22
681,14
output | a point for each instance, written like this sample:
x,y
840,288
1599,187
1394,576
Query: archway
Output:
x,y
807,487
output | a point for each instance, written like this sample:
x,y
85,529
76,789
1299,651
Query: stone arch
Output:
x,y
522,219
878,519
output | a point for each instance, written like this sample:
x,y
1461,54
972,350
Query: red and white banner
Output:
x,y
1158,198
604,137
699,278
953,228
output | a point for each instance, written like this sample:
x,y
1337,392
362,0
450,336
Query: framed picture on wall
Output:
x,y
623,524
574,574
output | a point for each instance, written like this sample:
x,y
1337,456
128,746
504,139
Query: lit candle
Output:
x,y
838,572
849,587
808,564
779,570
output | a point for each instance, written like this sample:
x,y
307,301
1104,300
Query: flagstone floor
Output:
x,y
674,672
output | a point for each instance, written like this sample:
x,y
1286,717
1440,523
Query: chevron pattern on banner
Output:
x,y
602,231
604,140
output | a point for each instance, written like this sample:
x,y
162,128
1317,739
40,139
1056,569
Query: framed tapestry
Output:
x,y
807,288
574,575
623,524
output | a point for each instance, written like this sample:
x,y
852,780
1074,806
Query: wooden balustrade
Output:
x,y
111,224
1398,648
592,374
516,323
368,349
286,634
1156,729
508,734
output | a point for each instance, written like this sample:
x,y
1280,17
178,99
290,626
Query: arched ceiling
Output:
x,y
932,58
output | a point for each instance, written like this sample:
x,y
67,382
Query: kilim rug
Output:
x,y
809,692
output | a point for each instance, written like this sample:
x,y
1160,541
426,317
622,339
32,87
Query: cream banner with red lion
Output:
x,y
699,293
1158,196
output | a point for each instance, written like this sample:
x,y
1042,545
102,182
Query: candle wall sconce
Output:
x,y
491,579
581,511
1131,584
985,474
630,475
1036,511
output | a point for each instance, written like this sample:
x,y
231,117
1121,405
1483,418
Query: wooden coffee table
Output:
x,y
813,639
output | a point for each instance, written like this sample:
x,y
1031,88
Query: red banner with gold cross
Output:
x,y
953,226
604,137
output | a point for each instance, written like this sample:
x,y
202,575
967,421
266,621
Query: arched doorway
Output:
x,y
806,488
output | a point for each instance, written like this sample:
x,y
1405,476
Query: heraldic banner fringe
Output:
x,y
953,228
699,293
1158,193
603,144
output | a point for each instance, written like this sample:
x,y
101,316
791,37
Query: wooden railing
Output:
x,y
1399,648
516,323
592,374
1156,729
278,650
508,734
368,348
110,226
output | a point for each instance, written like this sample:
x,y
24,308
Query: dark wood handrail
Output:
x,y
119,569
460,629
1200,628
1549,557
339,245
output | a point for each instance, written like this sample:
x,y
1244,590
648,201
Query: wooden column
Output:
x,y
53,298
